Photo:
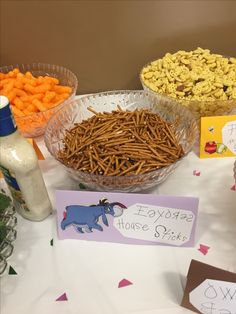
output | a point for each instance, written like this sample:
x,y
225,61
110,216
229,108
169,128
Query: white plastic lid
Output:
x,y
3,102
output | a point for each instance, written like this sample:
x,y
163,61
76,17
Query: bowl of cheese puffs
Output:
x,y
36,91
205,82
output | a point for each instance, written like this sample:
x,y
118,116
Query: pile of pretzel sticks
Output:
x,y
120,143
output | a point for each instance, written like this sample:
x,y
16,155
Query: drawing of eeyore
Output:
x,y
85,218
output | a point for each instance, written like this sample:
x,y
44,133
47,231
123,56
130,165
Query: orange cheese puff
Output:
x,y
30,107
9,86
49,96
16,71
17,112
18,103
29,75
51,104
57,98
62,89
20,92
4,82
31,82
39,105
62,96
39,80
35,96
20,75
11,74
65,95
24,98
51,80
26,112
42,88
18,84
11,95
2,93
29,88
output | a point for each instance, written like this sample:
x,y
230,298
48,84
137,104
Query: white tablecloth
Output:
x,y
89,272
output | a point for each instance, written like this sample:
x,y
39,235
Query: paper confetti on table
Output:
x,y
12,271
196,173
233,188
124,283
62,297
51,242
204,249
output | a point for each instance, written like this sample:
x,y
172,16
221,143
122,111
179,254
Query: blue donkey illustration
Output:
x,y
87,216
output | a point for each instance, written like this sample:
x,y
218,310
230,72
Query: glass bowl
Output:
x,y
33,125
199,108
76,111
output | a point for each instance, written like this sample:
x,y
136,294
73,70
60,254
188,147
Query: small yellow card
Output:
x,y
218,137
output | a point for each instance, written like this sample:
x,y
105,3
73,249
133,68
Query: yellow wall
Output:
x,y
105,43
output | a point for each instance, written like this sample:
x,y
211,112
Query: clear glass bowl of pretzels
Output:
x,y
123,141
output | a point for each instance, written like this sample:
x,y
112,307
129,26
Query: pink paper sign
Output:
x,y
126,218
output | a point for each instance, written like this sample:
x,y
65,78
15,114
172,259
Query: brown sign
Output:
x,y
197,274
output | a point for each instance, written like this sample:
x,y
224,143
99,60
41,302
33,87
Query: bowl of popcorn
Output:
x,y
36,91
123,141
203,81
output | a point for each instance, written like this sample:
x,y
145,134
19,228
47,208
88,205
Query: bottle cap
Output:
x,y
7,122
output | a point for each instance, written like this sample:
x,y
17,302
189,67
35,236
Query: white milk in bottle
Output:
x,y
19,165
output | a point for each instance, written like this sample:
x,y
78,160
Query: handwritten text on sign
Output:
x,y
218,136
154,223
229,136
214,297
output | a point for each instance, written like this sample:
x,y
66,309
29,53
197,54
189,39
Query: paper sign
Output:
x,y
171,226
126,218
218,137
214,295
210,290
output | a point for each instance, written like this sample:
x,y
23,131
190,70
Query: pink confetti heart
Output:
x,y
62,297
233,188
204,249
196,173
124,283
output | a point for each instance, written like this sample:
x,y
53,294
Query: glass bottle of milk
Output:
x,y
19,165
